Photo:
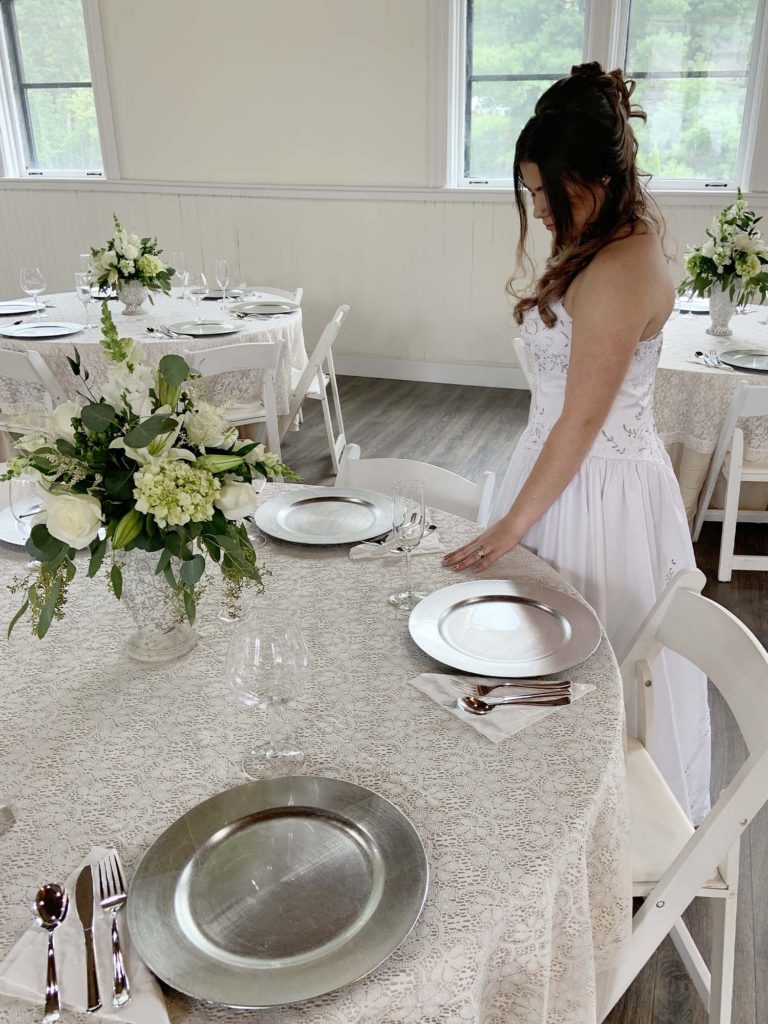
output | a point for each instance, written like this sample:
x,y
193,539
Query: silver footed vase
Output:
x,y
163,632
132,295
721,309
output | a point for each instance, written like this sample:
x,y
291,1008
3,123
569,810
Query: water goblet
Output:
x,y
222,278
85,263
33,283
177,262
83,292
267,664
197,288
408,520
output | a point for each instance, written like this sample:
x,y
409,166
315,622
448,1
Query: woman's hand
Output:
x,y
483,551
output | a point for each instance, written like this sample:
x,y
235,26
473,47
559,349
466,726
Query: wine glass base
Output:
x,y
255,536
406,600
268,761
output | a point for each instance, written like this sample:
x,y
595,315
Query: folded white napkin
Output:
x,y
23,972
501,722
388,551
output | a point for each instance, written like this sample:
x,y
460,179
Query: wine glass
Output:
x,y
25,503
222,278
408,517
85,263
197,288
256,537
177,262
33,283
83,292
267,664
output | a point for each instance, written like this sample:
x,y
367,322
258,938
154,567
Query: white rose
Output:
x,y
73,518
708,249
236,500
131,251
60,420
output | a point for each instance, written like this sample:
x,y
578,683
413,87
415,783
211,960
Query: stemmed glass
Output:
x,y
256,537
83,292
197,288
408,518
267,664
222,278
177,262
33,283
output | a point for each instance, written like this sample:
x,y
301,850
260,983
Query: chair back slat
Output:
x,y
253,355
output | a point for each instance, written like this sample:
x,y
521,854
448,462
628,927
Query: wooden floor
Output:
x,y
468,429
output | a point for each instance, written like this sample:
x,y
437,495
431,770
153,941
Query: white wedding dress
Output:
x,y
618,533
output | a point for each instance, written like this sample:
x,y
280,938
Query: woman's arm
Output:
x,y
612,309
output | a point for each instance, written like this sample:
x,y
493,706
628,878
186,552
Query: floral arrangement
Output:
x,y
735,256
130,258
144,465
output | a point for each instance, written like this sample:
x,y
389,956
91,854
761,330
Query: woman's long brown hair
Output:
x,y
580,136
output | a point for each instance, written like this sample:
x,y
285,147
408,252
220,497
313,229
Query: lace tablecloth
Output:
x,y
233,388
691,400
526,839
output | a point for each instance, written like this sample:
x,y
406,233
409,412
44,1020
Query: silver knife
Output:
x,y
84,902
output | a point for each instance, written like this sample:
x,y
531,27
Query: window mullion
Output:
x,y
752,160
605,32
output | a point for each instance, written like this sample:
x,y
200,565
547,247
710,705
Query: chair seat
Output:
x,y
313,391
750,470
252,412
660,828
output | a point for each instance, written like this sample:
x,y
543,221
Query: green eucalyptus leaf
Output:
x,y
41,545
65,447
189,603
170,578
17,616
148,430
46,613
174,370
98,549
192,570
97,416
116,577
163,561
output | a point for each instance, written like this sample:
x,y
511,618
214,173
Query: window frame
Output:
x,y
14,126
606,25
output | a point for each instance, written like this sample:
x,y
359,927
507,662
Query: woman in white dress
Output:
x,y
590,487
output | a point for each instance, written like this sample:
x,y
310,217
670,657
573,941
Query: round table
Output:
x,y
691,400
230,388
526,839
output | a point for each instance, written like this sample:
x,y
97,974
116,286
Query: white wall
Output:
x,y
307,92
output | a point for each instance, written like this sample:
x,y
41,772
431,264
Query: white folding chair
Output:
x,y
261,291
672,863
522,358
250,356
748,400
313,381
30,368
442,489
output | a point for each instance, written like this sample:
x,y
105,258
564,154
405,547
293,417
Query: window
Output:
x,y
52,125
695,63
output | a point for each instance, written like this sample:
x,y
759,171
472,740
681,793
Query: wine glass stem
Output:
x,y
270,724
408,570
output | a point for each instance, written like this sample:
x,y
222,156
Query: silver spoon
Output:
x,y
50,909
476,706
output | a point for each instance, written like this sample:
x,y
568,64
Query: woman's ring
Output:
x,y
480,552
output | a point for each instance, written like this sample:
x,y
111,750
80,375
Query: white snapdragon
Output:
x,y
129,387
74,519
60,421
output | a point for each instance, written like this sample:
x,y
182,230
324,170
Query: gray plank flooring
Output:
x,y
469,429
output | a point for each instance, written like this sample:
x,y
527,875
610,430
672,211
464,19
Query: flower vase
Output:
x,y
721,309
132,294
163,632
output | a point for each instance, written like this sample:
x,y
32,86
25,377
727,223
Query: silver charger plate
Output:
x,y
325,515
215,294
204,328
277,891
746,359
692,304
15,306
41,329
265,308
10,531
504,628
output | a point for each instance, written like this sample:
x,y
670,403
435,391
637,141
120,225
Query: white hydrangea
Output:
x,y
127,267
208,427
175,492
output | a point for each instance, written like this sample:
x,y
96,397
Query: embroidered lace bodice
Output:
x,y
629,430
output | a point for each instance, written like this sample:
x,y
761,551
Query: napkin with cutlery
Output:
x,y
22,973
500,723
389,550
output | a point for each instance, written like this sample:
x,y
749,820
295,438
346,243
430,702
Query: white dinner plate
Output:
x,y
41,329
204,328
10,531
325,515
16,306
746,359
259,308
277,891
692,304
218,293
504,628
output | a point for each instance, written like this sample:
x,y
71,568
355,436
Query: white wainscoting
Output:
x,y
424,278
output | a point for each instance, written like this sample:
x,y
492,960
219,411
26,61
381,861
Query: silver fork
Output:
x,y
113,897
